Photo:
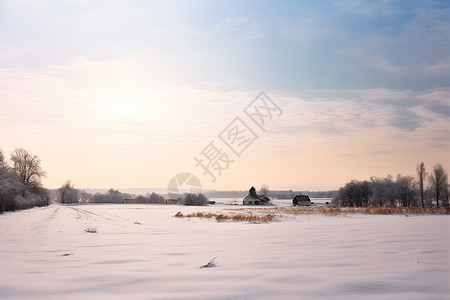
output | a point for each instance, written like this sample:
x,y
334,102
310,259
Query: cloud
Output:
x,y
386,66
239,27
366,9
360,118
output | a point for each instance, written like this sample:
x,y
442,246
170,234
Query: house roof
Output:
x,y
250,198
302,198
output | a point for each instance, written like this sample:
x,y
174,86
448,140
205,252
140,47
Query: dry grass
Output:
x,y
242,217
278,213
333,211
373,210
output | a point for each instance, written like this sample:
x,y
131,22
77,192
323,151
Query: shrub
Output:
x,y
16,195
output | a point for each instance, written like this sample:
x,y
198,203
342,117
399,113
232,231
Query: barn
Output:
x,y
301,200
128,201
255,199
249,200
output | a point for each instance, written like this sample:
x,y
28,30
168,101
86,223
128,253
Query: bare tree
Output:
x,y
439,182
264,190
27,167
422,175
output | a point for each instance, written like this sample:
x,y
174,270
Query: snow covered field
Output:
x,y
144,252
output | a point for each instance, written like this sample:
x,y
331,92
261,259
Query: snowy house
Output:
x,y
254,199
129,201
249,200
301,200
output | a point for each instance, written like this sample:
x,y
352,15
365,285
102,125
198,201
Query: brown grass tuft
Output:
x,y
244,217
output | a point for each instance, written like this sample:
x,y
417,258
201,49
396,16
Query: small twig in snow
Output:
x,y
210,264
91,229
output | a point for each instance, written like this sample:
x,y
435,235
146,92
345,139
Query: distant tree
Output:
x,y
384,191
152,198
99,198
291,194
406,189
428,196
27,167
193,199
3,164
422,173
439,182
85,196
68,193
264,191
446,195
155,198
252,192
111,196
354,193
115,196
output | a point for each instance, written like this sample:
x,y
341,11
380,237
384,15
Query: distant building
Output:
x,y
249,200
129,201
301,200
254,199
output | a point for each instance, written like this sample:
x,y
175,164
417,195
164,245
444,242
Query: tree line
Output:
x,y
425,190
20,181
67,194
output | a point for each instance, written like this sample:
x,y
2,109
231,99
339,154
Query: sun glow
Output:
x,y
130,105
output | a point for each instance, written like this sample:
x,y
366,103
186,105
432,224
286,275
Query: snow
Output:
x,y
144,252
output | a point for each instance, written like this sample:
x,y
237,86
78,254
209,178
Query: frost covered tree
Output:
x,y
111,196
422,173
384,191
85,196
3,164
354,193
27,167
152,198
68,193
10,190
406,189
439,183
14,193
193,199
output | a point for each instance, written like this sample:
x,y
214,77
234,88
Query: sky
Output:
x,y
130,94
